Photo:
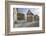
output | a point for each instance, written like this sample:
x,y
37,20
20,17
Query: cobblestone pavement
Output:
x,y
28,24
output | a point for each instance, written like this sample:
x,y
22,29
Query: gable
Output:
x,y
29,12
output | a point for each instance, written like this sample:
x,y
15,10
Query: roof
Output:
x,y
29,12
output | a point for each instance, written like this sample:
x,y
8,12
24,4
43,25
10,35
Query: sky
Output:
x,y
35,11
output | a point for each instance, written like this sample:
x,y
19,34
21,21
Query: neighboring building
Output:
x,y
20,16
30,16
36,18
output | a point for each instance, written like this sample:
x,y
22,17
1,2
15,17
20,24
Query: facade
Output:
x,y
36,18
30,16
20,16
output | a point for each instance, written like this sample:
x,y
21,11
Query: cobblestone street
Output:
x,y
28,24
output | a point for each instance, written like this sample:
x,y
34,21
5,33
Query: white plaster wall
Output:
x,y
2,18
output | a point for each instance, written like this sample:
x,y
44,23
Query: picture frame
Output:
x,y
9,5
